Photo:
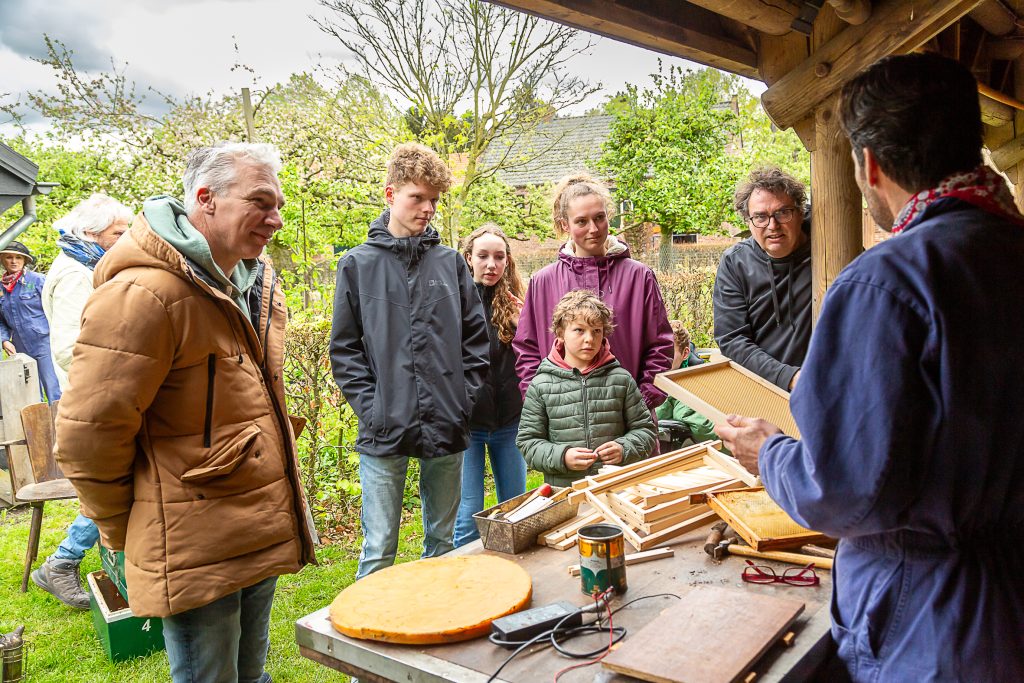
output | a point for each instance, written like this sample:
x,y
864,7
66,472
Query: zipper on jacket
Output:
x,y
270,314
586,411
211,372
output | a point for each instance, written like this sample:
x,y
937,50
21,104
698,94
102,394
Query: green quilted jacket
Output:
x,y
565,409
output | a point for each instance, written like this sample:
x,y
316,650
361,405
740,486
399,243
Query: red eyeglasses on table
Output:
x,y
796,576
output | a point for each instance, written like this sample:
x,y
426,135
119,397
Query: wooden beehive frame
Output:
x,y
758,533
655,500
720,387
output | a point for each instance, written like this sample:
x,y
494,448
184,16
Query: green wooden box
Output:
x,y
112,562
122,634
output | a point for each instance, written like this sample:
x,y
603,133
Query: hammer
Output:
x,y
714,539
729,546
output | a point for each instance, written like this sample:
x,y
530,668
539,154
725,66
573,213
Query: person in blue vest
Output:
x,y
23,325
909,455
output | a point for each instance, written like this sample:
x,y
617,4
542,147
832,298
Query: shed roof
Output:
x,y
553,149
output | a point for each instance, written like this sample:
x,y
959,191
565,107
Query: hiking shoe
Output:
x,y
60,579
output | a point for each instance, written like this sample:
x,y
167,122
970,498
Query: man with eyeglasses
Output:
x,y
909,408
762,297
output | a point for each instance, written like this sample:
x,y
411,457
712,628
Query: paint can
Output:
x,y
602,559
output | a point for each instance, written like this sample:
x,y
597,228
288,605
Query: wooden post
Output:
x,y
250,126
837,236
1017,175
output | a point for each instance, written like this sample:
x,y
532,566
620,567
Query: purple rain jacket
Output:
x,y
642,340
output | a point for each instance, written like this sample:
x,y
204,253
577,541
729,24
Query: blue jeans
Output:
x,y
383,481
82,535
225,641
509,469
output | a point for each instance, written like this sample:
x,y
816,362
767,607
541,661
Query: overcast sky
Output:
x,y
187,46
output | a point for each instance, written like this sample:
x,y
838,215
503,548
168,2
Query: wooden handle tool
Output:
x,y
779,556
715,537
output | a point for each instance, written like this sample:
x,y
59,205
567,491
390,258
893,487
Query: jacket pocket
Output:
x,y
226,460
378,411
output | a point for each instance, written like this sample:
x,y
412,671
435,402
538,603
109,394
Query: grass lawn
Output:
x,y
63,645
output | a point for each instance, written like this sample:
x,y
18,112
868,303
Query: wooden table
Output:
x,y
475,660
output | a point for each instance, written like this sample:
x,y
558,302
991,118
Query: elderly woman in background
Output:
x,y
86,234
22,322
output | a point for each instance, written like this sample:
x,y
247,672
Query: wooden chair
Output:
x,y
45,482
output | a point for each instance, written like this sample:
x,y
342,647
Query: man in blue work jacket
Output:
x,y
912,448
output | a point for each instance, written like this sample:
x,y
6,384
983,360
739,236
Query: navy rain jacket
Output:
x,y
408,343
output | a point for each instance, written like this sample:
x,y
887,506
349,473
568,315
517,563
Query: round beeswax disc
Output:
x,y
436,600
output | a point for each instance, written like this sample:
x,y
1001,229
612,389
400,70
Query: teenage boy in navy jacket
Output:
x,y
409,350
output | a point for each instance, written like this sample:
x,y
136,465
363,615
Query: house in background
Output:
x,y
551,150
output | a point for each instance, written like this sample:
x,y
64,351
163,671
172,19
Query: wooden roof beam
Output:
x,y
675,28
995,17
1009,154
895,27
995,113
772,17
854,12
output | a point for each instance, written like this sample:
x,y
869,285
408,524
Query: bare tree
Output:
x,y
506,68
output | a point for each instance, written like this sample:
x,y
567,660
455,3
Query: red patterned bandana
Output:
x,y
981,187
10,279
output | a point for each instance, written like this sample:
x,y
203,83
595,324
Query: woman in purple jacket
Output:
x,y
592,259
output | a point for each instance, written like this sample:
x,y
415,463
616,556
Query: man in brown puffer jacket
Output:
x,y
174,430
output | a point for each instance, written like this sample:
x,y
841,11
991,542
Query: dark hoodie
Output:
x,y
408,343
499,402
763,309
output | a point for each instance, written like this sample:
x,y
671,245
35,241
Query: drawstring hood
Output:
x,y
602,358
786,263
410,250
582,266
763,309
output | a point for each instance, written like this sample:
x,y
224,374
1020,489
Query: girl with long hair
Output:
x,y
495,419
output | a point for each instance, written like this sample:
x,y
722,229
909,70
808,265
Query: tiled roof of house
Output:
x,y
552,150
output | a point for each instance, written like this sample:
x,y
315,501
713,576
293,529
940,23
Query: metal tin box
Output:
x,y
515,537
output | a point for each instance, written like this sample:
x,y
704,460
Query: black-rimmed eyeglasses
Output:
x,y
783,215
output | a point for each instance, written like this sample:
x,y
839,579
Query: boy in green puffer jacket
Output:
x,y
582,410
701,428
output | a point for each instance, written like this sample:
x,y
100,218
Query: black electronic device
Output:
x,y
514,629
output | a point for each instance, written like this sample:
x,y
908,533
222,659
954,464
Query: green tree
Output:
x,y
764,144
668,152
522,214
334,142
505,70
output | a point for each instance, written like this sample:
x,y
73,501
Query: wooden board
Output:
x,y
711,635
721,387
436,600
729,464
759,520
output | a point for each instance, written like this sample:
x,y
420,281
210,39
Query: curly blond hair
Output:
x,y
680,335
508,292
412,162
574,186
581,303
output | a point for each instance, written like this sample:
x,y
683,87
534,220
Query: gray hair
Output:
x,y
92,216
216,167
